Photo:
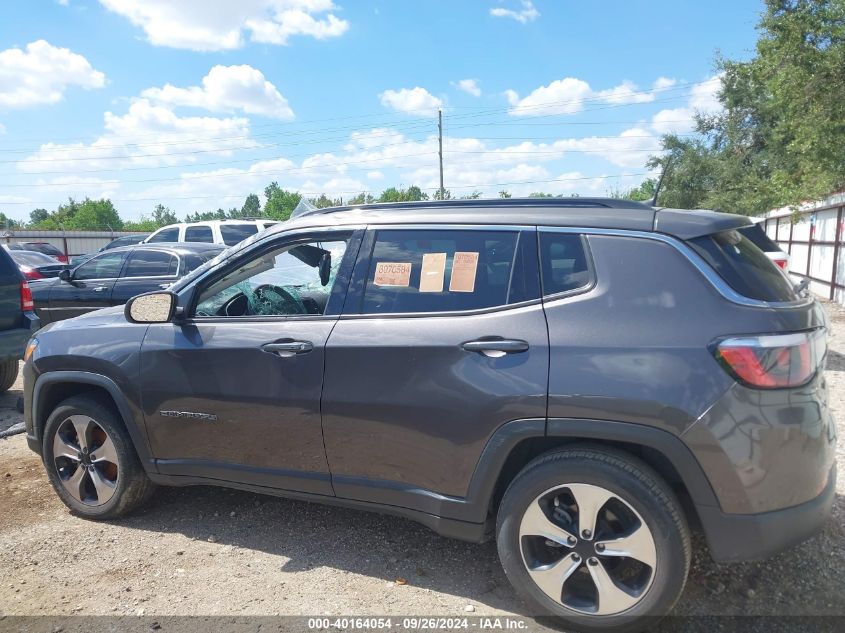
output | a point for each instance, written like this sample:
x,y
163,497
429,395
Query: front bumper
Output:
x,y
744,537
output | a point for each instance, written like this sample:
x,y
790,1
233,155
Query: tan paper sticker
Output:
x,y
464,267
433,271
393,274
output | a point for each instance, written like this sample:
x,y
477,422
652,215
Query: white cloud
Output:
x,y
220,25
42,73
527,13
631,148
469,86
2,129
418,101
146,136
626,92
703,99
568,95
663,83
227,89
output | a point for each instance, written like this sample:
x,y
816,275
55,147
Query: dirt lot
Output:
x,y
205,551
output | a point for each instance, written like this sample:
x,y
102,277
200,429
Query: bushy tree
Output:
x,y
361,198
251,207
162,216
280,202
779,139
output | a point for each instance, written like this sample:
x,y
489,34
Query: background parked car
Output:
x,y
758,237
123,240
17,319
39,247
115,276
36,265
228,232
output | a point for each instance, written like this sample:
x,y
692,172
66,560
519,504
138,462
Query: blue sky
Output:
x,y
197,104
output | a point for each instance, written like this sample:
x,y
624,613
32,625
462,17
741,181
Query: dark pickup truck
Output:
x,y
18,320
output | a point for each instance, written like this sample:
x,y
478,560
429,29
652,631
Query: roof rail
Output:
x,y
567,203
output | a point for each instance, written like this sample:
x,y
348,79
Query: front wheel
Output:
x,y
594,538
90,460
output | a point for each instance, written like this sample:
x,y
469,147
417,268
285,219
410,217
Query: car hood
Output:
x,y
97,318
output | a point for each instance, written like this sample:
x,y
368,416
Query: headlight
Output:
x,y
30,348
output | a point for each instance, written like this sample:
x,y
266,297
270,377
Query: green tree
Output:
x,y
280,202
444,195
141,225
780,136
162,216
644,191
504,193
95,215
540,194
361,198
252,207
324,202
411,194
9,223
38,215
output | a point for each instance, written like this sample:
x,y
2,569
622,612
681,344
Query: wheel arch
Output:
x,y
519,442
54,387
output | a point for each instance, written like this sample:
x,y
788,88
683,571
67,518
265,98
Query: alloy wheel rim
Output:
x,y
587,549
86,460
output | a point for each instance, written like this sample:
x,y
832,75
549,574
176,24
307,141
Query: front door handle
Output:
x,y
100,288
288,348
496,348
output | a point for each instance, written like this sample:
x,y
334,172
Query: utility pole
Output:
x,y
440,151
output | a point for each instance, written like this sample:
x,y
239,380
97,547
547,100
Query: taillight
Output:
x,y
783,264
27,304
773,361
31,273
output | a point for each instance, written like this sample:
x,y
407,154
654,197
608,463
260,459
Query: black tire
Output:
x,y
132,487
632,481
8,374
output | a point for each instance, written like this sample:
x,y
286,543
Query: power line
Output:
x,y
317,193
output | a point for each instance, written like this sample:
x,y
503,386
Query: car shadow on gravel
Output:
x,y
306,536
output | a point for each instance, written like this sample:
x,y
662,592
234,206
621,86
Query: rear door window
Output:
x,y
151,264
743,266
442,270
199,234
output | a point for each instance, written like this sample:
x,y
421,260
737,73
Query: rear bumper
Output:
x,y
743,537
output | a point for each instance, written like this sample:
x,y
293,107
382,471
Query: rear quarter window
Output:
x,y
565,266
743,266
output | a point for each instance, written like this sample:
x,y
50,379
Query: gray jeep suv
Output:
x,y
585,380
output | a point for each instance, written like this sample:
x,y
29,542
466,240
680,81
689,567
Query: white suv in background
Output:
x,y
227,232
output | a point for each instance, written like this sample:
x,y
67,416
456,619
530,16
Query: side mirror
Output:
x,y
64,275
153,307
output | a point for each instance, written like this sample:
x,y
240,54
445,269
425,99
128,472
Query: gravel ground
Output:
x,y
215,552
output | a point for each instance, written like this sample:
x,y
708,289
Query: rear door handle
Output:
x,y
496,348
288,348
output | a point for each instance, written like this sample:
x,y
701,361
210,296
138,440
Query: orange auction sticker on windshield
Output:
x,y
464,268
393,274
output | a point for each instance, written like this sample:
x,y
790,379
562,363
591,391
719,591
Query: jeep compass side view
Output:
x,y
584,380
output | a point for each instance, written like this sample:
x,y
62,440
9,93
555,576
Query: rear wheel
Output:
x,y
8,374
595,538
90,460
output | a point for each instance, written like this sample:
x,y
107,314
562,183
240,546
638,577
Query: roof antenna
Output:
x,y
653,201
